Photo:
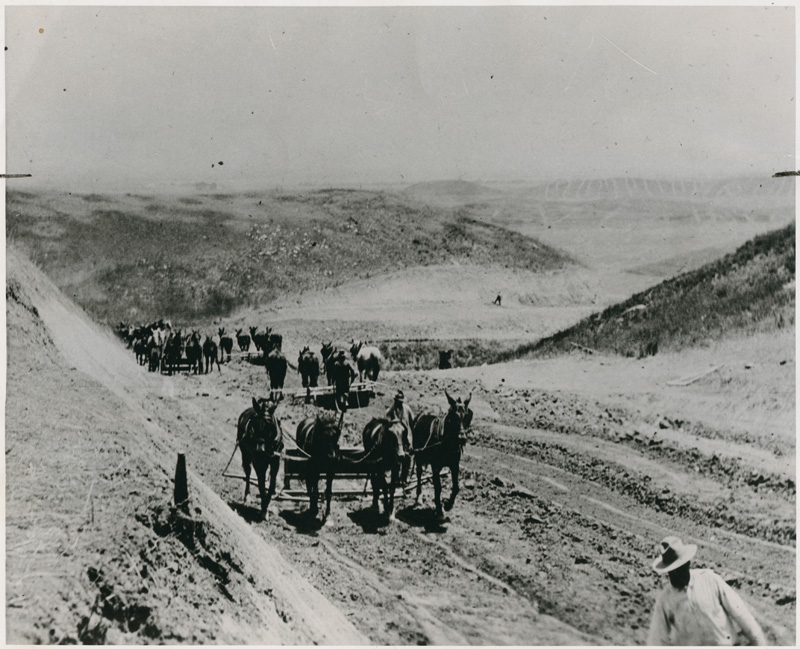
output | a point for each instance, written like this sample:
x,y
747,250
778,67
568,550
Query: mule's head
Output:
x,y
326,350
264,424
253,331
394,434
458,419
326,439
275,341
221,331
355,347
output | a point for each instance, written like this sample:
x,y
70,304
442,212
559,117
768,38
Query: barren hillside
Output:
x,y
195,257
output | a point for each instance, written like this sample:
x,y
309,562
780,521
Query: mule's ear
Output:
x,y
450,399
466,403
256,406
272,406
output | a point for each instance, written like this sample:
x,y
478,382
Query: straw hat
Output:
x,y
674,554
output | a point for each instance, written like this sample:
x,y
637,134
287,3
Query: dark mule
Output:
x,y
342,374
194,353
140,349
258,433
225,344
261,340
308,367
276,365
383,446
173,350
318,439
210,354
439,442
329,354
243,340
153,354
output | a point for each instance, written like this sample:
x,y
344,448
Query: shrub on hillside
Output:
x,y
751,289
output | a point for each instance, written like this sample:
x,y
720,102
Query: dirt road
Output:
x,y
550,541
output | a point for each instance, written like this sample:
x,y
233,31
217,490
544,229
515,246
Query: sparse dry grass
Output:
x,y
750,290
191,258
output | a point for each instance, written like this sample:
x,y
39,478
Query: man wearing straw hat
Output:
x,y
697,607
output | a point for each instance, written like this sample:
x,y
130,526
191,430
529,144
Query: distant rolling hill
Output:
x,y
652,227
752,289
450,193
189,257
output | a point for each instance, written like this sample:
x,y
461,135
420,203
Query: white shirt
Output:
x,y
706,612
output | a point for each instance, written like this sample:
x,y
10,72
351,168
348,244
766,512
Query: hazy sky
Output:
x,y
149,96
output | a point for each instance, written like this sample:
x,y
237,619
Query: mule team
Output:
x,y
435,441
160,346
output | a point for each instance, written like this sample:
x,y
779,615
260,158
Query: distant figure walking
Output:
x,y
697,607
498,300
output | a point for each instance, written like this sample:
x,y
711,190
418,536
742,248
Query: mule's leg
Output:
x,y
418,499
312,487
328,494
448,505
274,465
373,478
385,492
437,490
392,486
406,463
246,467
261,472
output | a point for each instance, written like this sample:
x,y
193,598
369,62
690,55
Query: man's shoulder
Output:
x,y
707,576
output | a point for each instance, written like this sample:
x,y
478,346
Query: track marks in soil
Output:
x,y
434,631
738,515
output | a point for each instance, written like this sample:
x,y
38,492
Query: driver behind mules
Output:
x,y
401,411
343,375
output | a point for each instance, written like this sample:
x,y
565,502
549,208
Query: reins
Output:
x,y
438,423
277,425
302,451
367,455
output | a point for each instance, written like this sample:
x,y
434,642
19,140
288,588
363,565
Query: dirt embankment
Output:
x,y
95,552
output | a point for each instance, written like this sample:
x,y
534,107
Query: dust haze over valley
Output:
x,y
636,381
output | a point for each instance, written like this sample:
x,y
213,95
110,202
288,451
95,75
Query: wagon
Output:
x,y
350,470
359,396
180,366
348,467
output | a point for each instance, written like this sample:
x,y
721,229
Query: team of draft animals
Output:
x,y
696,606
389,442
